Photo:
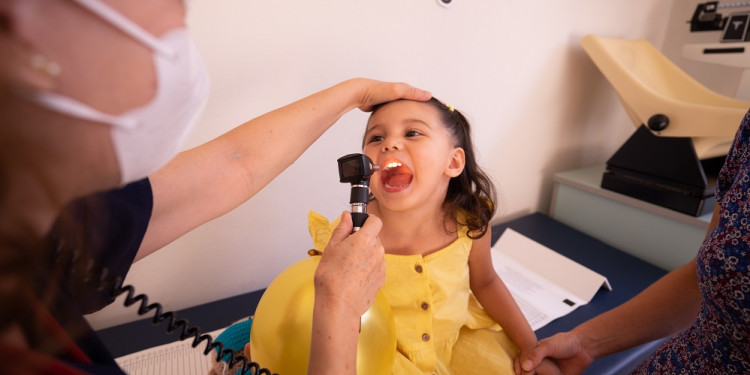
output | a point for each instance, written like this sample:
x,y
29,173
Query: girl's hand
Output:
x,y
564,350
547,367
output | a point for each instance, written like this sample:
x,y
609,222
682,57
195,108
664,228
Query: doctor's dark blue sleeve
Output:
x,y
95,241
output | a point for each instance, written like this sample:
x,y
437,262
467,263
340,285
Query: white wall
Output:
x,y
537,103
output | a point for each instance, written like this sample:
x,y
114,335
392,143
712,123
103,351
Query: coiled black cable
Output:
x,y
187,330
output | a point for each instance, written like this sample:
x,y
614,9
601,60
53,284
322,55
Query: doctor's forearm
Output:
x,y
212,179
335,332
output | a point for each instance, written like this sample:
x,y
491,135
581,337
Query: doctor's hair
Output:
x,y
472,191
26,282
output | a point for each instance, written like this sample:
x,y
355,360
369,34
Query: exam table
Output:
x,y
627,275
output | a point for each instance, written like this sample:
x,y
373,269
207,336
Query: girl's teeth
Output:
x,y
392,164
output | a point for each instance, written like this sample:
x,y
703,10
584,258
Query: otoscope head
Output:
x,y
355,168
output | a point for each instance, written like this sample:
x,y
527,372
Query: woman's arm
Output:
x,y
494,296
666,307
212,179
350,273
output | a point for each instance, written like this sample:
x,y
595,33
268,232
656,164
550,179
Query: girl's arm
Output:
x,y
494,296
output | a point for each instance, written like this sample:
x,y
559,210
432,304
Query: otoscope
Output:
x,y
356,169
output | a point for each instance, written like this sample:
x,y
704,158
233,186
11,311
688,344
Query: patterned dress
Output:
x,y
718,342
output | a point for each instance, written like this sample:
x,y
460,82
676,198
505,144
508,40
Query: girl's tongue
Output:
x,y
395,176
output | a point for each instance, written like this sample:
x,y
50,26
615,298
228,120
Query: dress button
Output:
x,y
424,305
418,268
425,337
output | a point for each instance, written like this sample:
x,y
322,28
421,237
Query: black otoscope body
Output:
x,y
356,169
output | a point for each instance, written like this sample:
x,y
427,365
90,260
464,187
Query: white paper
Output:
x,y
545,284
178,358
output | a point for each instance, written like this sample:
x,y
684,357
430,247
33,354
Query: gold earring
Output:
x,y
45,65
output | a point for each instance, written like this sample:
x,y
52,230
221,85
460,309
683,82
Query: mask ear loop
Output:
x,y
71,107
125,25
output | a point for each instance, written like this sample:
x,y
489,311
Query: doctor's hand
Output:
x,y
372,92
565,350
349,275
352,267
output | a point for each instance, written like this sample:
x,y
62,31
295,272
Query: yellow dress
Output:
x,y
440,327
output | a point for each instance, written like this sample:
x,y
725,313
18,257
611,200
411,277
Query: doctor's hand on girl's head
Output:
x,y
376,92
352,267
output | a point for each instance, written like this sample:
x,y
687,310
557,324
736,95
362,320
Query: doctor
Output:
x,y
95,95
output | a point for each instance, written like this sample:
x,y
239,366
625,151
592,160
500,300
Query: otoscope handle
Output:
x,y
358,218
360,194
358,198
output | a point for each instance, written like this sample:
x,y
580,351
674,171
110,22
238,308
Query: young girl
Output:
x,y
436,203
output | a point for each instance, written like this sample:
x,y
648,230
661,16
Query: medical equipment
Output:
x,y
719,34
186,330
684,129
281,336
356,169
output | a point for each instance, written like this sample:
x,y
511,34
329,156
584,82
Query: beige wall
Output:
x,y
537,103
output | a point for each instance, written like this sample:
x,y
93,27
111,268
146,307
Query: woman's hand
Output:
x,y
374,92
565,350
350,273
352,267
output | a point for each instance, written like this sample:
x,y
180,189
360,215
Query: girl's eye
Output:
x,y
375,138
413,133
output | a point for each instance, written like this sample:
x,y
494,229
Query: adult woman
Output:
x,y
705,304
94,96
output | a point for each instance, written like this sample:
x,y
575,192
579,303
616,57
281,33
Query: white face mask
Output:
x,y
147,137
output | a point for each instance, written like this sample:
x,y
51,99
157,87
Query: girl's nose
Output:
x,y
390,146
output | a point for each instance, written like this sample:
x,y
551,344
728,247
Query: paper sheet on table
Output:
x,y
176,358
545,284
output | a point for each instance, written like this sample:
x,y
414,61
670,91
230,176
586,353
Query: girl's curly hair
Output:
x,y
472,191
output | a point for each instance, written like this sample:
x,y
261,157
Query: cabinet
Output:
x,y
658,235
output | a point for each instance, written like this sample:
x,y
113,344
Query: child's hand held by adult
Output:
x,y
564,349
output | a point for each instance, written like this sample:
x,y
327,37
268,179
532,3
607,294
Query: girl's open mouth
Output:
x,y
395,176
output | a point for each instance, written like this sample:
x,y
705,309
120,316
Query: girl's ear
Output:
x,y
457,162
